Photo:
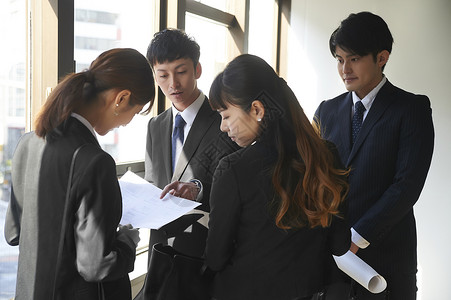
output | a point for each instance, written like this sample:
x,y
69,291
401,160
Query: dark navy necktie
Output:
x,y
357,119
177,135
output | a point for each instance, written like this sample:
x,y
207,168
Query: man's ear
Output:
x,y
382,58
198,70
257,109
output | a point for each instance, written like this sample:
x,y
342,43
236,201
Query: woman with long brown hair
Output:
x,y
69,241
277,204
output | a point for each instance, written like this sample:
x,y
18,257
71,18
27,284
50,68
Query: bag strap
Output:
x,y
64,223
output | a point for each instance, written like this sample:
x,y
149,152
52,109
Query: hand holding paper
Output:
x,y
361,272
142,206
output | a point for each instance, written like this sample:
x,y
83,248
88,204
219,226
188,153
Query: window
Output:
x,y
16,103
105,24
262,30
213,56
259,36
221,19
89,43
12,122
94,16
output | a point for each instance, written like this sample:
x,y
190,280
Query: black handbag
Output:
x,y
350,291
175,276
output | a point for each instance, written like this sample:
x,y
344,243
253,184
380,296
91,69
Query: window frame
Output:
x,y
53,28
51,51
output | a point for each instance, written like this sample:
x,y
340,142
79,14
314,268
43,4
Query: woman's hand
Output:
x,y
128,233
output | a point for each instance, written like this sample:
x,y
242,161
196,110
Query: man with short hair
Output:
x,y
184,143
385,135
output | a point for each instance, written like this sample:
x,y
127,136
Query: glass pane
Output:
x,y
262,35
218,4
213,55
12,123
104,24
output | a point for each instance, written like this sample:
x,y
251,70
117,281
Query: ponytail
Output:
x,y
61,102
121,68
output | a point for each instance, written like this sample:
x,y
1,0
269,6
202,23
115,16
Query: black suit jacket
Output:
x,y
93,251
253,257
204,146
389,163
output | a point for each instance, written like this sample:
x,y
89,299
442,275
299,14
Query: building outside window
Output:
x,y
104,24
12,122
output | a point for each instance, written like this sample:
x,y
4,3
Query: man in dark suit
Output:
x,y
387,143
181,159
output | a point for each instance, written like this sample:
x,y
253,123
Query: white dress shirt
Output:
x,y
189,114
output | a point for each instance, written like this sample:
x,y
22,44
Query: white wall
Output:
x,y
420,62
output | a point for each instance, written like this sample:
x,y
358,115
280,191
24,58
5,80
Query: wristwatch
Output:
x,y
197,183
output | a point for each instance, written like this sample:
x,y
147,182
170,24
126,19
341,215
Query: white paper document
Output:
x,y
361,272
142,206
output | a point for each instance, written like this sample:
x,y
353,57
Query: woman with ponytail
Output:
x,y
68,236
276,206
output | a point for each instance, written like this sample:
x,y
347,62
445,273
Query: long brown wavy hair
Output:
x,y
120,68
308,182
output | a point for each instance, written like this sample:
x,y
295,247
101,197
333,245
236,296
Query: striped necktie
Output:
x,y
357,119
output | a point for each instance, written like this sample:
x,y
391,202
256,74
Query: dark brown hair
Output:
x,y
121,68
171,44
309,185
362,34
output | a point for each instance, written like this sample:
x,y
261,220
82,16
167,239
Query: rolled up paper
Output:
x,y
361,272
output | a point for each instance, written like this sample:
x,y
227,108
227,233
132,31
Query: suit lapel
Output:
x,y
201,124
380,104
165,133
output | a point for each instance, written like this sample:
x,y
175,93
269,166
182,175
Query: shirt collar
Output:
x,y
84,122
368,100
189,114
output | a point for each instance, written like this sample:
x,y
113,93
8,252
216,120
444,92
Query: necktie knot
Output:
x,y
179,122
359,108
357,119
